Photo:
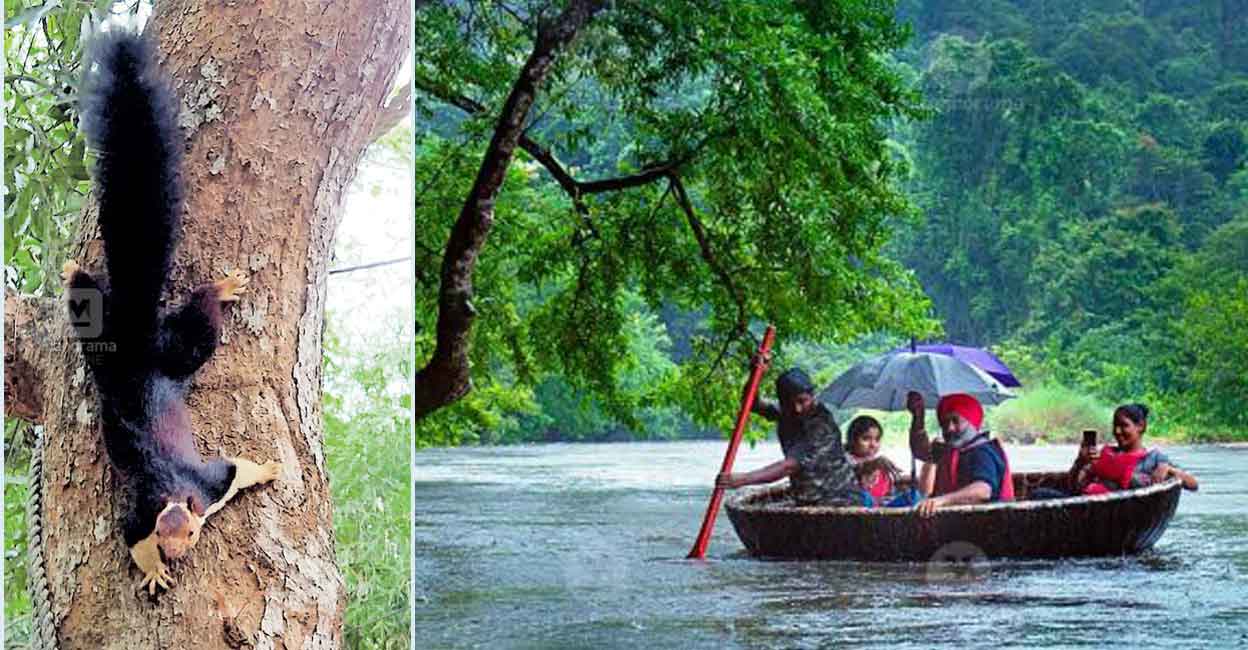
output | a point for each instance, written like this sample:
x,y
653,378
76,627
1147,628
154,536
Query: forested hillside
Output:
x,y
1083,186
1073,181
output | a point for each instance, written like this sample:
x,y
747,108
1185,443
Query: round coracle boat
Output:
x,y
1118,523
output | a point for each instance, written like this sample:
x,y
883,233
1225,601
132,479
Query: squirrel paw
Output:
x,y
234,283
68,270
158,576
270,471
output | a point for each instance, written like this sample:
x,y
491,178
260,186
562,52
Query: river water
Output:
x,y
582,546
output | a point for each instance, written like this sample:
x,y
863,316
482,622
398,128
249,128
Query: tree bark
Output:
x,y
445,378
30,326
279,100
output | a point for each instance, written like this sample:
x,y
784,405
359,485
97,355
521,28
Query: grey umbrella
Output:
x,y
881,383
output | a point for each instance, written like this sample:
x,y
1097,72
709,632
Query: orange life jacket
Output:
x,y
1113,465
947,472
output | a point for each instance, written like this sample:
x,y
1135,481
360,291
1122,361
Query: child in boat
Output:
x,y
1128,464
876,473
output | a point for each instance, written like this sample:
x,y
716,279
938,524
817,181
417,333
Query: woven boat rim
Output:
x,y
744,502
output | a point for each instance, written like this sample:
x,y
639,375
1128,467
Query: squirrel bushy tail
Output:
x,y
129,116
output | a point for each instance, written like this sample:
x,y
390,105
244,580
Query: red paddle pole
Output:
x,y
708,521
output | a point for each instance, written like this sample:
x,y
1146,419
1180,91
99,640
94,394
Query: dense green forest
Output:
x,y
1082,182
1069,187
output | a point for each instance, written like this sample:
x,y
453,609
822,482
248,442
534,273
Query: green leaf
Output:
x,y
32,15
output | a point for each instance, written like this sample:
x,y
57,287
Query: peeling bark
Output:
x,y
30,331
279,99
445,377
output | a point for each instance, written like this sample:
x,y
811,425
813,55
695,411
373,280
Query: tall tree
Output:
x,y
280,99
729,160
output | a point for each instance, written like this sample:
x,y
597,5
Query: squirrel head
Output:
x,y
178,526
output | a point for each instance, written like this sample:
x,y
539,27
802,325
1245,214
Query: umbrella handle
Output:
x,y
743,417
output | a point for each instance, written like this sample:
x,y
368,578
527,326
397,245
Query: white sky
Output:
x,y
371,309
377,226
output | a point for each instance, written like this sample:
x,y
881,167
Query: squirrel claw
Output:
x,y
270,471
151,579
68,270
234,283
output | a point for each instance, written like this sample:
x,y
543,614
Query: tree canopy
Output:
x,y
729,161
1056,176
1084,166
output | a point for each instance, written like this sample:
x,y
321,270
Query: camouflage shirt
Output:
x,y
824,476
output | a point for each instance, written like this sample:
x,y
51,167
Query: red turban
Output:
x,y
964,405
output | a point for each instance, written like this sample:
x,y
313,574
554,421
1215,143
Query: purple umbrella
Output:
x,y
982,359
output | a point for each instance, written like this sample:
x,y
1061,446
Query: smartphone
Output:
x,y
1089,438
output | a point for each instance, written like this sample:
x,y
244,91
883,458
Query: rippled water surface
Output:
x,y
582,546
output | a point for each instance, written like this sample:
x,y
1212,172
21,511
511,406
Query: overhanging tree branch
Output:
x,y
543,155
708,254
577,190
394,112
445,378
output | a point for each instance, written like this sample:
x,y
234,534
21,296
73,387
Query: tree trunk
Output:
x,y
444,379
279,100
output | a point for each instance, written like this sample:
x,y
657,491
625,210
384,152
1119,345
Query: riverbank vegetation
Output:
x,y
1065,181
1084,174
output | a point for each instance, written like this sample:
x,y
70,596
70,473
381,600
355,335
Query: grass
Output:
x,y
368,443
370,470
1044,414
1051,413
17,614
1057,414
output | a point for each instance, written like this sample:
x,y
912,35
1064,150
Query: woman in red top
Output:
x,y
1127,465
876,474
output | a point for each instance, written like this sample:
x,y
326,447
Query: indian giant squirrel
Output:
x,y
141,359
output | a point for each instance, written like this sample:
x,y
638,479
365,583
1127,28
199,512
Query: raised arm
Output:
x,y
1079,470
769,409
927,479
920,444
